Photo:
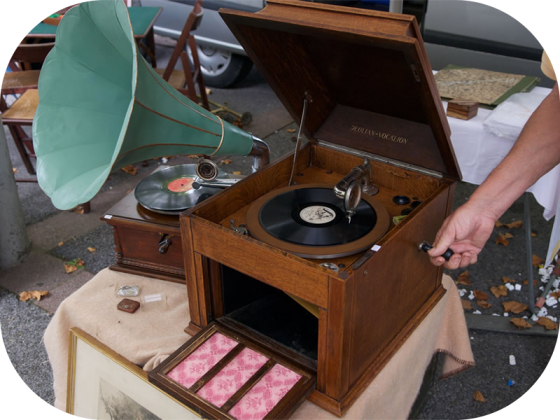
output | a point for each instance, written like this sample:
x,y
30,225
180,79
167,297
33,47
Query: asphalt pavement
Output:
x,y
60,236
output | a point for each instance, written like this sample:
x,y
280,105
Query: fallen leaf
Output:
x,y
208,91
128,192
15,170
499,290
501,239
236,173
226,162
526,282
291,130
537,260
555,294
533,234
60,243
463,278
508,235
479,397
466,304
520,323
483,304
547,323
130,169
35,294
79,209
507,280
91,249
69,268
480,295
513,306
498,224
514,225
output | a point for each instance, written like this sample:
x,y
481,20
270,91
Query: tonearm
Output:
x,y
350,187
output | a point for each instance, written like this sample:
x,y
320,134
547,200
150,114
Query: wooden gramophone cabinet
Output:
x,y
370,92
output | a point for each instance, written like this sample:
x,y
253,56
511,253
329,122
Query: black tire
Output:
x,y
230,70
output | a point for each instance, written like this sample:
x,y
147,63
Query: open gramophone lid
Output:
x,y
170,190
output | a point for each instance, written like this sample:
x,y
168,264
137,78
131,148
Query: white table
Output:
x,y
479,152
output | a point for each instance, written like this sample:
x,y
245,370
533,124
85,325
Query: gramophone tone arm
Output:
x,y
260,153
361,174
216,183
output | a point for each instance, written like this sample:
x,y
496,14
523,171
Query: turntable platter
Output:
x,y
309,220
170,191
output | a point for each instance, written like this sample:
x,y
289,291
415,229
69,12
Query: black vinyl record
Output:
x,y
170,191
315,217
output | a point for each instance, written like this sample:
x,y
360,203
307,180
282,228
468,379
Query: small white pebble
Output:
x,y
551,301
541,288
472,338
518,287
477,312
506,314
535,318
525,317
164,160
495,314
543,312
110,188
552,318
510,286
471,296
512,359
555,306
556,283
462,292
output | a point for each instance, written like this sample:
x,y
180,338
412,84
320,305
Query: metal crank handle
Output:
x,y
164,244
425,246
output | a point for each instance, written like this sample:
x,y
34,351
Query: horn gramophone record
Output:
x,y
170,190
309,221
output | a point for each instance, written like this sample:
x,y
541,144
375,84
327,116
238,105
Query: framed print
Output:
x,y
104,385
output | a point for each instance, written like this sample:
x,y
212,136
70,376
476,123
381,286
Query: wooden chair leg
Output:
x,y
16,135
191,91
87,207
198,78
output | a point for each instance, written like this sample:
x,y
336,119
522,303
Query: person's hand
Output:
x,y
465,232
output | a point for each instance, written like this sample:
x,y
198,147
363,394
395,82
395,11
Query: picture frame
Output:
x,y
103,385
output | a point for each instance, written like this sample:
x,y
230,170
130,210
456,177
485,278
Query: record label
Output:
x,y
180,185
317,215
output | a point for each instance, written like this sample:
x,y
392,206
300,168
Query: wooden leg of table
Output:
x,y
152,47
21,149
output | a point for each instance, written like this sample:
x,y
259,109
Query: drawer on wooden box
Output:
x,y
227,372
146,243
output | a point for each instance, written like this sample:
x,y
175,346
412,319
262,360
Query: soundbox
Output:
x,y
102,107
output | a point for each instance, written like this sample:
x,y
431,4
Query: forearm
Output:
x,y
536,151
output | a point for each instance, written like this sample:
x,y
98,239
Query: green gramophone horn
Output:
x,y
102,107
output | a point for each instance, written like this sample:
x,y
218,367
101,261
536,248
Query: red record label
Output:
x,y
180,185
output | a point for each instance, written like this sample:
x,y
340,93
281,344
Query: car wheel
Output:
x,y
221,68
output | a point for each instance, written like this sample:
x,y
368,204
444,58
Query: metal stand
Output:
x,y
500,324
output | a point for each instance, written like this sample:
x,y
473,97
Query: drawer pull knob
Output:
x,y
164,244
425,246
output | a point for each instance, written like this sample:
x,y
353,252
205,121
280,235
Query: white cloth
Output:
x,y
151,334
478,152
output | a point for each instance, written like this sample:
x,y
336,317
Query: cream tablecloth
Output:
x,y
155,331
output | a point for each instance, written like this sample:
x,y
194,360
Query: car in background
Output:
x,y
223,61
455,32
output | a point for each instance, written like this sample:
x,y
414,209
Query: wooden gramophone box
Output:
x,y
370,93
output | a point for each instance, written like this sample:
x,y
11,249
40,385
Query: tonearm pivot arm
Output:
x,y
350,187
